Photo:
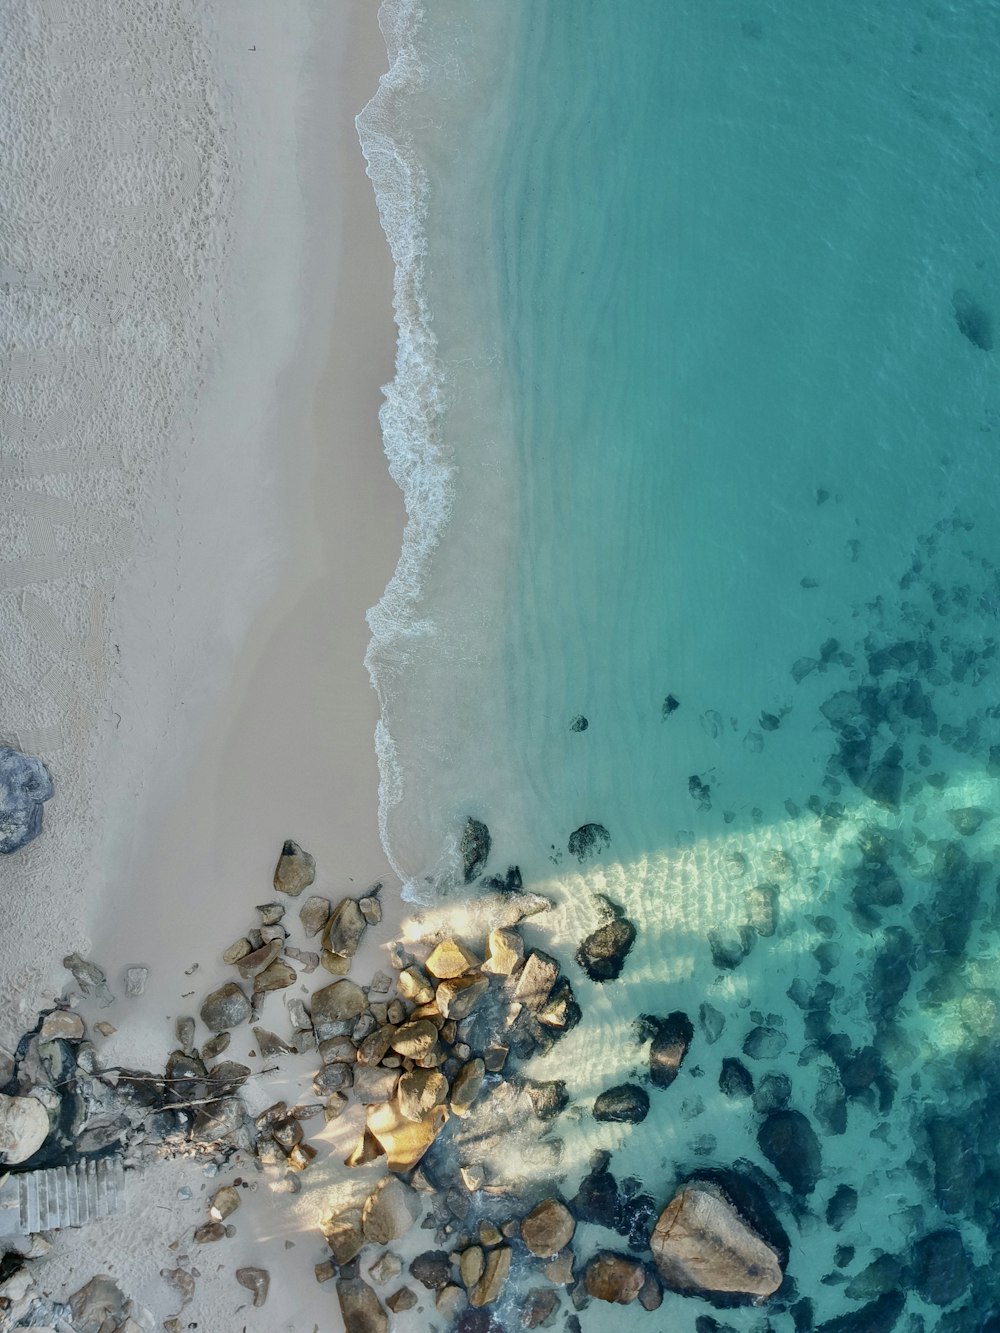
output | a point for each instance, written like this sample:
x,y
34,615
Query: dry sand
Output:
x,y
239,711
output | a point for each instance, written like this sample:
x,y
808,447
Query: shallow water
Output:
x,y
714,290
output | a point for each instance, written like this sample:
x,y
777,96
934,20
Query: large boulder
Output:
x,y
626,1103
941,1266
602,954
615,1278
671,1038
548,1228
24,786
701,1245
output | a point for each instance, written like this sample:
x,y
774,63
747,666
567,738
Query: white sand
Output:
x,y
200,693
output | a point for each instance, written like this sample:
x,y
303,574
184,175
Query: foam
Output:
x,y
411,414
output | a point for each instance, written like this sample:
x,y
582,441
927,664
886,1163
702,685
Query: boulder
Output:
x,y
389,1211
505,950
257,1281
615,1278
597,1200
588,840
295,870
671,1038
627,1103
789,1142
432,1269
413,1039
466,1087
491,1284
99,1305
24,787
701,1244
547,1098
314,914
420,1091
941,1267
404,1141
475,849
735,1079
225,1008
339,1003
344,930
451,958
548,1228
536,979
764,1043
878,1316
360,1307
602,954
457,997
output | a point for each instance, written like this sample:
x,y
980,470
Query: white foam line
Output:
x,y
411,414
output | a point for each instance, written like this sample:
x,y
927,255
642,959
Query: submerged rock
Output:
x,y
879,1316
475,849
579,723
24,787
602,954
588,840
701,1244
941,1267
627,1103
789,1142
671,1038
973,320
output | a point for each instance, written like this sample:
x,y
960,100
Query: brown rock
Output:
x,y
413,985
491,1284
403,1299
489,1235
256,1281
471,1265
237,950
548,1228
252,963
415,1039
376,1046
466,1087
62,1023
389,1211
405,1141
614,1278
223,1203
340,1002
451,959
539,1306
295,870
420,1091
559,1269
334,963
701,1243
344,1236
505,953
211,1231
216,1045
538,976
458,997
360,1307
345,928
314,914
373,1084
276,976
651,1293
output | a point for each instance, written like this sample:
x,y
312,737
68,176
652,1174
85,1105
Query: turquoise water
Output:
x,y
712,409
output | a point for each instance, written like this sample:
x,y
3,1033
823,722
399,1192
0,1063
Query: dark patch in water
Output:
x,y
589,840
973,320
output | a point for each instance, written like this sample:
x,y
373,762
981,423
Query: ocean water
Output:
x,y
696,413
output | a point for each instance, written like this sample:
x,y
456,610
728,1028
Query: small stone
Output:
x,y
270,933
415,1039
343,932
271,913
225,1008
237,950
181,1281
413,985
333,1078
100,1304
475,848
548,1228
473,1176
223,1203
62,1024
88,976
106,1029
539,1307
466,1087
276,976
324,1271
491,1284
340,1002
287,1132
380,984
301,1156
24,1127
505,953
295,870
374,1084
211,1231
471,1265
371,910
253,963
489,1235
314,914
386,1267
559,1269
337,1050
389,1211
216,1045
184,1029
335,963
547,1099
269,1043
256,1280
457,997
450,1301
334,1106
344,1236
376,1045
537,977
307,960
451,959
360,1308
396,1012
401,1300
614,1278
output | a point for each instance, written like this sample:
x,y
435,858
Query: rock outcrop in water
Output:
x,y
701,1245
602,954
973,320
588,840
25,786
475,848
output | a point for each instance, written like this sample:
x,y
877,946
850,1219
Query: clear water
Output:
x,y
711,403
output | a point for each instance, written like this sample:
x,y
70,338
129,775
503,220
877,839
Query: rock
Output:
x,y
237,950
314,914
789,1142
762,909
579,723
671,1039
414,1039
90,978
256,1280
333,1078
597,1199
209,1233
735,1080
701,1244
885,785
536,979
457,998
339,1003
276,976
842,1206
225,1008
432,1269
451,958
269,1043
345,929
879,1316
588,840
547,1098
602,954
405,1141
256,961
764,1043
24,1127
490,1285
413,985
883,1274
216,1045
505,950
374,1084
651,1293
973,320
471,1265
548,1228
615,1278
389,1211
627,1103
420,1091
344,1236
135,980
99,1305
539,1307
968,820
386,1267
223,1203
475,849
25,786
450,1301
401,1300
941,1267
181,1281
360,1307
466,1087
62,1024
711,1023
295,870
730,946
561,1011
371,908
